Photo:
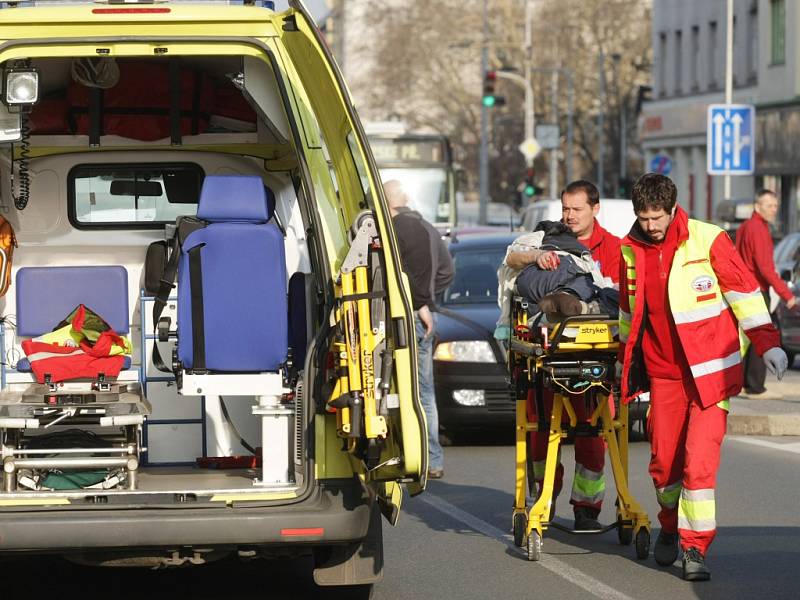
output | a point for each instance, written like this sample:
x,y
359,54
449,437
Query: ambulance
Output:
x,y
207,338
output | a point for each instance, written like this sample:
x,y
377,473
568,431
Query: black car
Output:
x,y
470,374
469,366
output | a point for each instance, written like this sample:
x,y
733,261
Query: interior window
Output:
x,y
133,196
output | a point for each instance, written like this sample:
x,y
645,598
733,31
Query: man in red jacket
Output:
x,y
684,294
754,244
580,203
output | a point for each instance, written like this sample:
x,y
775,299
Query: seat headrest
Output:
x,y
239,198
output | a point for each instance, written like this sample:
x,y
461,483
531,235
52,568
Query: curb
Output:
x,y
771,425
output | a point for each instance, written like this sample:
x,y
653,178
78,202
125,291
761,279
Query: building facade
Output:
x,y
689,38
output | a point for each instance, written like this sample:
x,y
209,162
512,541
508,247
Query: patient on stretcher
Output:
x,y
570,282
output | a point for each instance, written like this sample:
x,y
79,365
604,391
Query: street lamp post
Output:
x,y
483,158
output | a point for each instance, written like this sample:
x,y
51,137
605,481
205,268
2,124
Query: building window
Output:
x,y
713,82
678,61
752,46
662,65
777,32
695,58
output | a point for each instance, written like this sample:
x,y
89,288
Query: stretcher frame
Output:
x,y
542,356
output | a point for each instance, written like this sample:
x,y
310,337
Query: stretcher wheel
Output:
x,y
625,535
642,543
534,546
520,527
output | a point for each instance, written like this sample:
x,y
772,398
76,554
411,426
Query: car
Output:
x,y
788,320
786,255
469,365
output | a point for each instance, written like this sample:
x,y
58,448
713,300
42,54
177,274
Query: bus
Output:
x,y
423,163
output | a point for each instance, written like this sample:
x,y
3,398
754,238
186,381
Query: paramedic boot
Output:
x,y
666,548
694,566
586,519
560,305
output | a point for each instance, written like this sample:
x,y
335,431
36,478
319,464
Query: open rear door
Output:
x,y
405,457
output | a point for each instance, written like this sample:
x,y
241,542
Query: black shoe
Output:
x,y
586,519
666,549
694,566
435,473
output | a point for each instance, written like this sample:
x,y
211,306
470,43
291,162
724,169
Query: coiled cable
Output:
x,y
23,169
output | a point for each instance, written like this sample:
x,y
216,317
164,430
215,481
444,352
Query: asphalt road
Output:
x,y
454,542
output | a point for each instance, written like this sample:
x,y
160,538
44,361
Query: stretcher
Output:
x,y
575,359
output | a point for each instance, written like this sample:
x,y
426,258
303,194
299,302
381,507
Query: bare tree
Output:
x,y
425,58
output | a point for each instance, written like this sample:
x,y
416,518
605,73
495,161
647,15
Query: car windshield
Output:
x,y
475,281
426,189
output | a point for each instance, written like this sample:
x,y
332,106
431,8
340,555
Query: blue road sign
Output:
x,y
661,164
730,145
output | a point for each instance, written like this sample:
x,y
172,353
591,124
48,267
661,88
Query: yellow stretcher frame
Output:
x,y
531,356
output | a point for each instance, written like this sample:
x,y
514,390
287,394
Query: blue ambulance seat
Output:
x,y
243,273
46,295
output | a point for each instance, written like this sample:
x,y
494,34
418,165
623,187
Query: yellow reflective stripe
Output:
x,y
669,495
696,510
716,365
538,469
588,485
755,321
732,296
725,405
751,311
697,314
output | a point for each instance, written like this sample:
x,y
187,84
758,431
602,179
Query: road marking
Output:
x,y
551,563
794,447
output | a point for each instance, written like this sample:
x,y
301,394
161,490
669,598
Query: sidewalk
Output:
x,y
776,412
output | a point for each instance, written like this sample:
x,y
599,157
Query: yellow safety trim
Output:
x,y
231,498
725,405
58,501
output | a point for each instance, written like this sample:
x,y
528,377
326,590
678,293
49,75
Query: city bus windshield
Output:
x,y
426,189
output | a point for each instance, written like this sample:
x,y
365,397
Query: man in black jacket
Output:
x,y
429,267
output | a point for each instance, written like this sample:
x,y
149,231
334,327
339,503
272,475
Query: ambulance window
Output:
x,y
132,196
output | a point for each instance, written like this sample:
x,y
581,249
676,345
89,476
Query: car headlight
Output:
x,y
469,397
469,351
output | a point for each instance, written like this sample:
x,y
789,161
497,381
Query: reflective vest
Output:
x,y
707,316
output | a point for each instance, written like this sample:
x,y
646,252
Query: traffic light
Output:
x,y
529,189
490,98
625,187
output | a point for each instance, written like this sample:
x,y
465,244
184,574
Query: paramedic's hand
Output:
x,y
776,360
548,261
792,303
426,317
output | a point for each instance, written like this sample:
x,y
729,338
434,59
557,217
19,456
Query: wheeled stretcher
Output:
x,y
575,359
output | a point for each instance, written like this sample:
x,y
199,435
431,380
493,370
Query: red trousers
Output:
x,y
685,441
588,487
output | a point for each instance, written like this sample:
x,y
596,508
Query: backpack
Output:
x,y
8,242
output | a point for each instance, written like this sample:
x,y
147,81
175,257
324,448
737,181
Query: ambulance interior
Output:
x,y
85,204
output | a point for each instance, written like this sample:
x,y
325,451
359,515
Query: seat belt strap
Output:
x,y
198,316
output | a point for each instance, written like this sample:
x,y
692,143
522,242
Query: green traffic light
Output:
x,y
489,101
530,190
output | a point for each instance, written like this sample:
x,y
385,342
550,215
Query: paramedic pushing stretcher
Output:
x,y
580,203
684,294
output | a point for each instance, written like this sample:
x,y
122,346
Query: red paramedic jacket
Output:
x,y
754,244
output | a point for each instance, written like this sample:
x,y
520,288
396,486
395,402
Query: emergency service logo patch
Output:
x,y
702,283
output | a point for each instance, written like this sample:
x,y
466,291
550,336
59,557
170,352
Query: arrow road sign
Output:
x,y
730,144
